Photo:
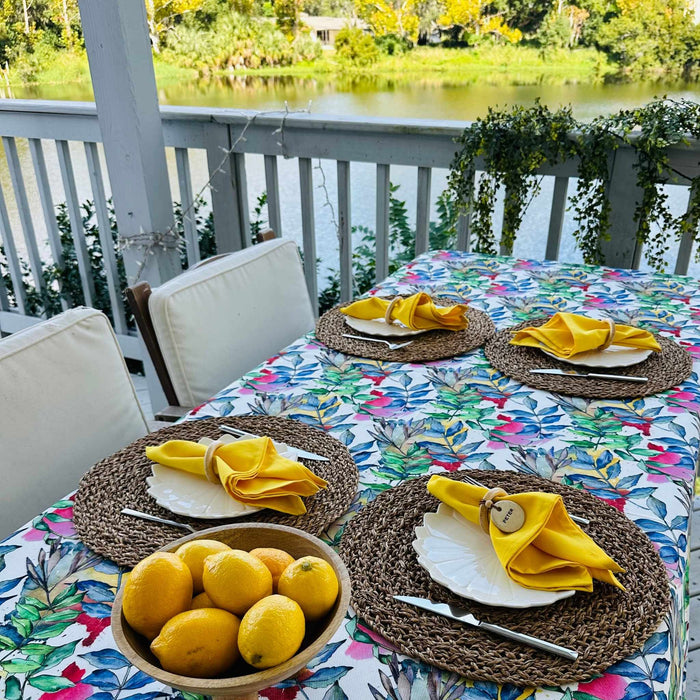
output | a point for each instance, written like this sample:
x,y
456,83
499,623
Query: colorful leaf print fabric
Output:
x,y
401,421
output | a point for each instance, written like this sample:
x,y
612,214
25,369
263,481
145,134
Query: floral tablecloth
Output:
x,y
401,421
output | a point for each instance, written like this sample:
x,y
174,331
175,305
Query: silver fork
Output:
x,y
392,346
471,480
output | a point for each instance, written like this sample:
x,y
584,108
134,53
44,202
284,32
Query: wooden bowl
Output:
x,y
245,686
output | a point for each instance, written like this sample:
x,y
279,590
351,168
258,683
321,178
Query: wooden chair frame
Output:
x,y
138,296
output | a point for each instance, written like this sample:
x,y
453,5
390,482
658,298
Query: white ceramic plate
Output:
x,y
613,356
459,555
188,494
379,327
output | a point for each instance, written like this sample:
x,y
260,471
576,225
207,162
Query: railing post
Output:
x,y
123,81
225,196
124,84
623,250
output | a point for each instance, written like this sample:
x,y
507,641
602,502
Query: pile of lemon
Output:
x,y
253,605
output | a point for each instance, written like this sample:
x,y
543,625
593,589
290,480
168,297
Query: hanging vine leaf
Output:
x,y
514,145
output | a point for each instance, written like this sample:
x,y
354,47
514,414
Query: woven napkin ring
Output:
x,y
389,309
210,470
507,516
611,334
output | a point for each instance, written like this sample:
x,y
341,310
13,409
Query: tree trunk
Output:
x,y
66,21
26,16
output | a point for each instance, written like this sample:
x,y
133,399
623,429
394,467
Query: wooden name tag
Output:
x,y
507,516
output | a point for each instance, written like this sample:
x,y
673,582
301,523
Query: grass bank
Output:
x,y
499,64
508,64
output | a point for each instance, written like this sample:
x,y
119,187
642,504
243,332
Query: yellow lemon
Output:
x,y
195,552
198,643
277,560
235,580
157,589
202,601
312,583
271,631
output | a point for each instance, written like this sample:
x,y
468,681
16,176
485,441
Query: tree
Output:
x,y
287,14
353,46
526,15
470,17
384,17
162,14
562,27
65,13
652,35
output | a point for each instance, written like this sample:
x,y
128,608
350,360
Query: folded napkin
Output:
x,y
549,552
417,312
251,471
566,335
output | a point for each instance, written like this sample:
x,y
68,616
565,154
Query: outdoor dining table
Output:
x,y
400,421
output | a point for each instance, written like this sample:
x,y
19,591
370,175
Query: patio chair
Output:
x,y
221,318
67,402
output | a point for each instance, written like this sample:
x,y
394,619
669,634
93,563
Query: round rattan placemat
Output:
x,y
604,626
664,370
433,345
119,482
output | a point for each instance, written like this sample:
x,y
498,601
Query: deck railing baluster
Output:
x,y
242,192
8,243
47,206
345,231
556,218
104,228
273,195
184,179
382,222
76,221
308,229
25,215
423,211
685,249
464,231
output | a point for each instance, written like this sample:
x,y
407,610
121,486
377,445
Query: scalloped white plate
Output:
x,y
195,496
614,356
379,327
459,555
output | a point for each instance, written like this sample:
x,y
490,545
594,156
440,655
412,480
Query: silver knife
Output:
x,y
301,453
455,613
156,519
590,375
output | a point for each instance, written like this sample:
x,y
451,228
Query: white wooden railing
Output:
x,y
422,144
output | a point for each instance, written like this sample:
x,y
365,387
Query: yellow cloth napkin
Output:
x,y
550,552
566,335
251,471
417,312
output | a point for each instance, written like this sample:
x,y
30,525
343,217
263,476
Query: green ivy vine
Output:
x,y
513,146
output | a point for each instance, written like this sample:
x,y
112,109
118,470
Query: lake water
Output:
x,y
426,98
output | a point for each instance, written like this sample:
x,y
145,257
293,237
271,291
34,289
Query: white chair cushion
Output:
x,y
67,401
217,322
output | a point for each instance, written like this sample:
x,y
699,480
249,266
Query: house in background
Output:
x,y
325,29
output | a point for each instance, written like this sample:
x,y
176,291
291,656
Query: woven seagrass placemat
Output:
x,y
604,626
433,345
664,369
119,482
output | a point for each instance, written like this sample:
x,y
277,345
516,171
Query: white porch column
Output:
x,y
123,81
124,84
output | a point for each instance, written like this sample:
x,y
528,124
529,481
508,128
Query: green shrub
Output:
x,y
235,42
393,45
354,47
